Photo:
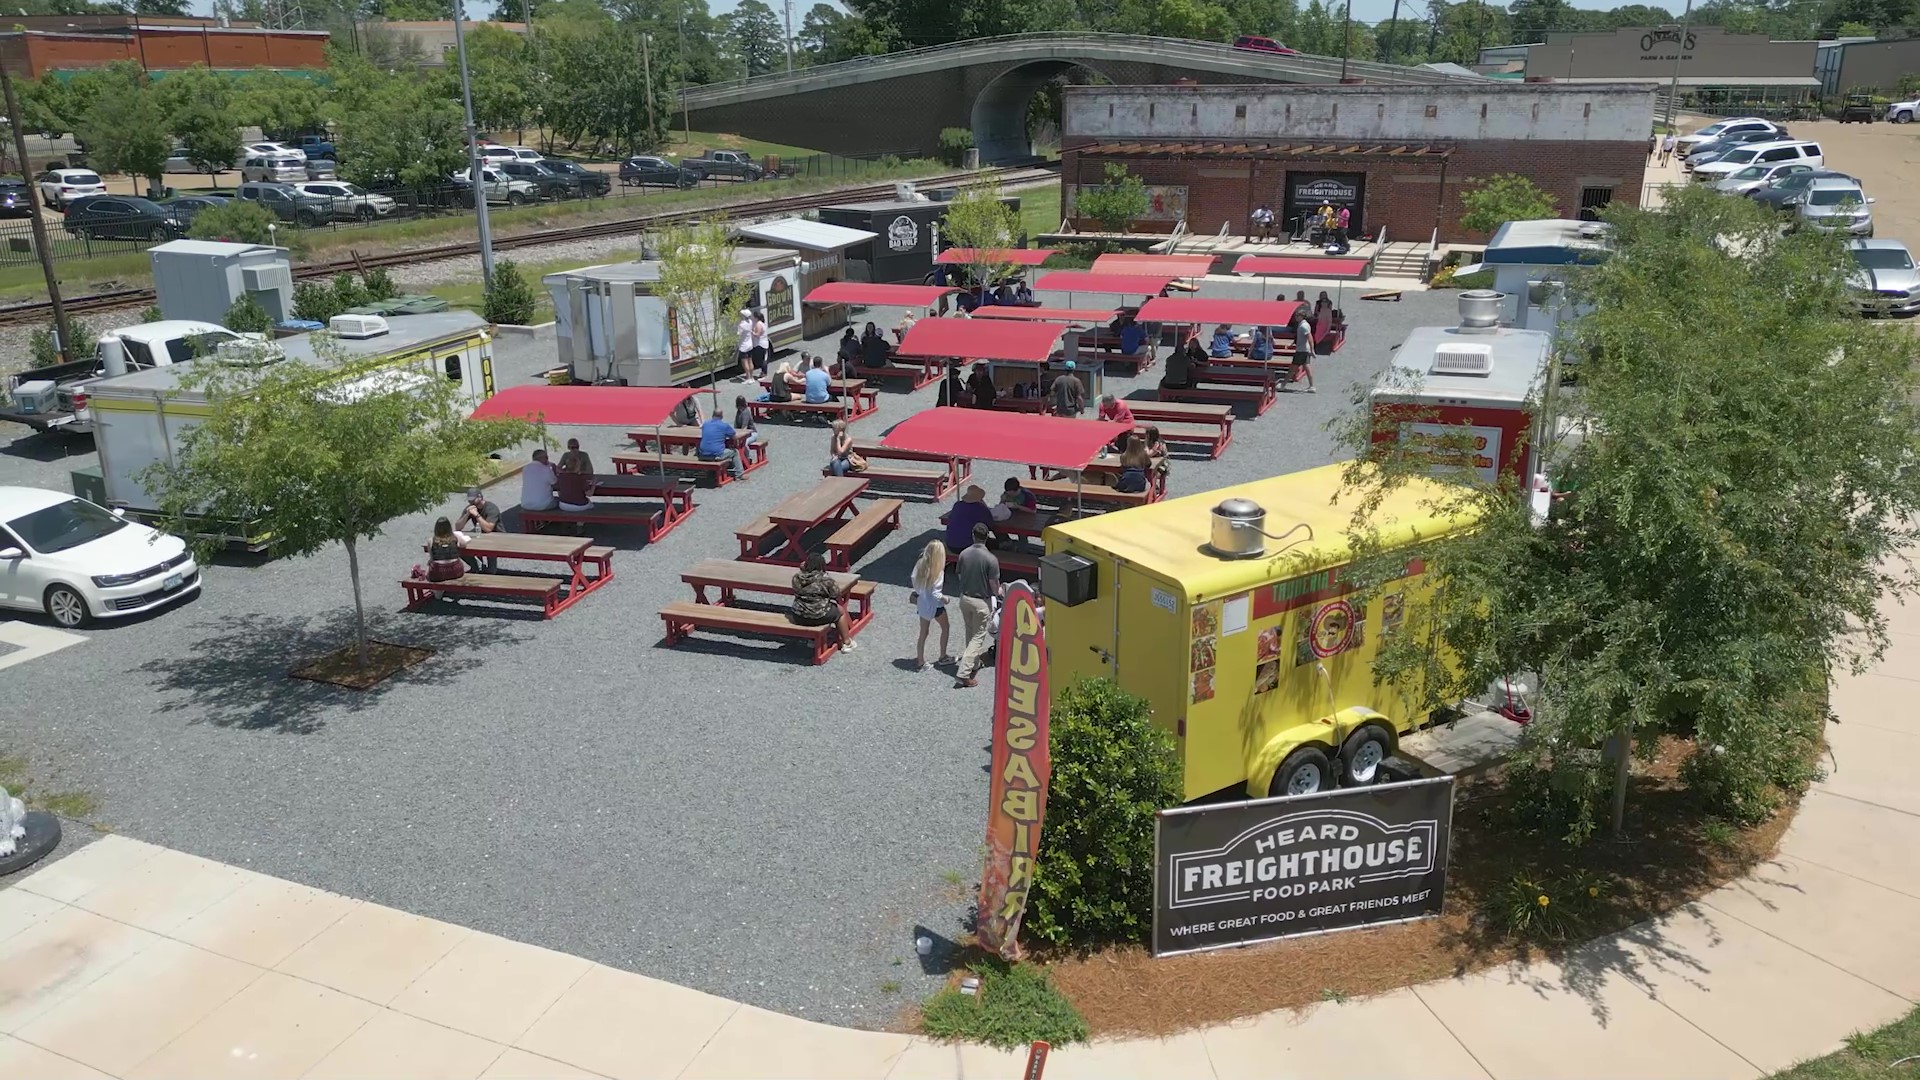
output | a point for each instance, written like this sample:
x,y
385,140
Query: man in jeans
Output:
x,y
978,575
716,437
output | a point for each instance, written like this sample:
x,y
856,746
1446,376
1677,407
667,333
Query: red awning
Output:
x,y
997,256
1049,442
982,339
1120,284
1045,314
1194,309
1301,267
631,406
861,292
1129,263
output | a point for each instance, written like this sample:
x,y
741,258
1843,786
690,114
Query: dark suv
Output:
x,y
657,172
551,184
288,203
588,181
122,217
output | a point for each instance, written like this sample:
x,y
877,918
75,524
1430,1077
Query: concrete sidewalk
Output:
x,y
128,960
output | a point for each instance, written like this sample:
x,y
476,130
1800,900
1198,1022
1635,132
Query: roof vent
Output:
x,y
1239,530
1462,358
1480,309
357,327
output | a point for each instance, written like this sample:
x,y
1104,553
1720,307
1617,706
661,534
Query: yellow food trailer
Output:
x,y
1233,613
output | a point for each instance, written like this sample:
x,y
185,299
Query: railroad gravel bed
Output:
x,y
467,267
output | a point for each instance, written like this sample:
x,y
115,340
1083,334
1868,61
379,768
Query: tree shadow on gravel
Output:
x,y
236,674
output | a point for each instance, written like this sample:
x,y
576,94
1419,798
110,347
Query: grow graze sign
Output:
x,y
1237,873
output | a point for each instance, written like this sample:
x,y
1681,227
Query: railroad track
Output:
x,y
40,311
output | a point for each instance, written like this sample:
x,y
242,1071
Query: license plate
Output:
x,y
173,582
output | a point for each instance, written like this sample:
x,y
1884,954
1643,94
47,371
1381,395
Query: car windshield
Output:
x,y
1834,196
65,525
1883,258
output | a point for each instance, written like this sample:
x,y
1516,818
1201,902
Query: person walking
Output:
x,y
1653,147
744,330
930,602
1302,351
1069,394
1667,146
762,343
977,572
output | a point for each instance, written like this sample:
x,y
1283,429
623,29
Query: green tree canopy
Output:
x,y
1119,201
404,130
755,36
1492,201
124,129
697,281
201,114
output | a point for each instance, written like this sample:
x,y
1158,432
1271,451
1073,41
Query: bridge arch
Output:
x,y
999,114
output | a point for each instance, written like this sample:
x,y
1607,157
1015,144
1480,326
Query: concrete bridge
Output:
x,y
901,101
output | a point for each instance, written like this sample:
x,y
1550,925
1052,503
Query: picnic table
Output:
x,y
675,495
1019,523
830,500
678,448
731,578
577,552
852,399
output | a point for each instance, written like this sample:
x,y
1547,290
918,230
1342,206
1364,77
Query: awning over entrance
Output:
x,y
1045,314
1049,442
997,256
1127,263
1302,266
1233,148
861,292
1196,309
1073,281
980,339
604,406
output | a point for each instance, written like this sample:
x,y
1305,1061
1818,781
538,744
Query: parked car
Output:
x,y
282,168
269,149
58,187
320,168
288,203
1887,281
1903,112
1687,143
350,202
643,171
14,201
1256,43
77,561
587,180
1713,149
1754,177
735,163
122,217
1804,153
179,162
1835,206
546,183
1780,194
500,188
314,146
491,153
185,208
1858,110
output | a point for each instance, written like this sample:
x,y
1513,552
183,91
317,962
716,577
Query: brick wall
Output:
x,y
1400,195
165,50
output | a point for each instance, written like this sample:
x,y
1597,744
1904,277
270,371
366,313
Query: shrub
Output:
x,y
348,292
511,300
315,302
379,285
238,222
1565,793
152,313
1015,1005
1491,201
1547,911
246,316
1116,203
1744,780
1112,769
40,344
954,144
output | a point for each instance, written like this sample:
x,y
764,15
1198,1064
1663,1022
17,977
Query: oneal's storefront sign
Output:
x,y
1242,872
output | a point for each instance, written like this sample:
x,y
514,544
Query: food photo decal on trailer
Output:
x,y
1237,873
1022,765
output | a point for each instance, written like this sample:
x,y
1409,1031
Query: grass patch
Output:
x,y
1869,1055
1039,209
681,144
78,805
1015,1005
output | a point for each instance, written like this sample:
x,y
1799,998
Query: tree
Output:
x,y
501,75
280,103
596,86
176,9
510,299
1118,202
400,130
980,220
697,281
1492,201
1727,525
283,447
237,222
754,33
124,129
199,105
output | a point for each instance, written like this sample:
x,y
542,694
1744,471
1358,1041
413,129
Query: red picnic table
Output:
x,y
553,594
679,445
731,577
789,522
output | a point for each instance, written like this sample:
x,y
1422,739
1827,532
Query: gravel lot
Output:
x,y
721,815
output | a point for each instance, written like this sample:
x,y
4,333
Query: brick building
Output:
x,y
1398,157
35,45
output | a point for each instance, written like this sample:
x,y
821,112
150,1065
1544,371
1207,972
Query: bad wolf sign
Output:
x,y
1242,872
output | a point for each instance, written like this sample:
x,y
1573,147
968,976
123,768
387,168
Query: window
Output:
x,y
1433,111
1239,112
452,364
1592,200
1782,153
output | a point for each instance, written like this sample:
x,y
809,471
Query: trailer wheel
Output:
x,y
1364,753
1305,772
67,608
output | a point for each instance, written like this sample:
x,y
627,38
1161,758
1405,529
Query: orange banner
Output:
x,y
1021,766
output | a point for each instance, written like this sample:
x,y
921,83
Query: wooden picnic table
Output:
x,y
679,450
731,578
1019,523
674,494
575,551
828,500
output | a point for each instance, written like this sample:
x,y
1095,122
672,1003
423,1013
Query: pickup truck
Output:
x,y
55,398
315,146
499,188
734,163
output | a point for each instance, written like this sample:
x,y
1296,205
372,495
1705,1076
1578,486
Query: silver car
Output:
x,y
1887,282
1754,177
1835,206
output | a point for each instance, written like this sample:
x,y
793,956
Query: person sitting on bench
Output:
x,y
1133,337
1014,497
1222,345
849,349
716,435
781,382
1022,293
1135,463
819,385
443,552
980,385
905,324
537,481
745,428
574,488
1184,365
816,601
1261,346
874,350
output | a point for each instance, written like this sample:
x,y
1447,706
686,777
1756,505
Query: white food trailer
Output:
x,y
1530,261
139,418
611,328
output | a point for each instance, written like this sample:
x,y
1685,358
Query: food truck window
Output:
x,y
452,364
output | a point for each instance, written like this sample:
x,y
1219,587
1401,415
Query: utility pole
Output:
x,y
1393,25
1346,49
473,150
789,8
1680,48
686,108
40,243
646,72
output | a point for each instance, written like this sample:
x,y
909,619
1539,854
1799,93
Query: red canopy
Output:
x,y
1122,284
997,256
862,292
1045,314
1301,267
1194,309
631,406
982,339
1131,263
1049,442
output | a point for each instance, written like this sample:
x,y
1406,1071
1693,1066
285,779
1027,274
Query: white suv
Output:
x,y
1766,153
350,201
77,561
500,188
58,187
1738,125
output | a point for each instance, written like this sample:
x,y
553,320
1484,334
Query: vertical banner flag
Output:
x,y
1021,766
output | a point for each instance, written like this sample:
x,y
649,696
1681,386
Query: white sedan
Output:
x,y
77,561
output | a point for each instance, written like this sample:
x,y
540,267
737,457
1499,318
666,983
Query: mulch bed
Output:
x,y
1665,862
341,667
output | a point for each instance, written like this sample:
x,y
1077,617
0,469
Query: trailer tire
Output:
x,y
1304,772
1365,751
66,607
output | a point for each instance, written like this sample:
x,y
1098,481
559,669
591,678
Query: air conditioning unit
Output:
x,y
1462,359
357,327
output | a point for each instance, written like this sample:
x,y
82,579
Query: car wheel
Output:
x,y
1361,757
514,198
158,234
365,213
1903,118
67,608
1305,772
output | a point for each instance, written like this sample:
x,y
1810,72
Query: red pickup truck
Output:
x,y
1256,43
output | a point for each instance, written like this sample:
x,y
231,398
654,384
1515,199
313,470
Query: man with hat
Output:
x,y
1068,392
481,516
